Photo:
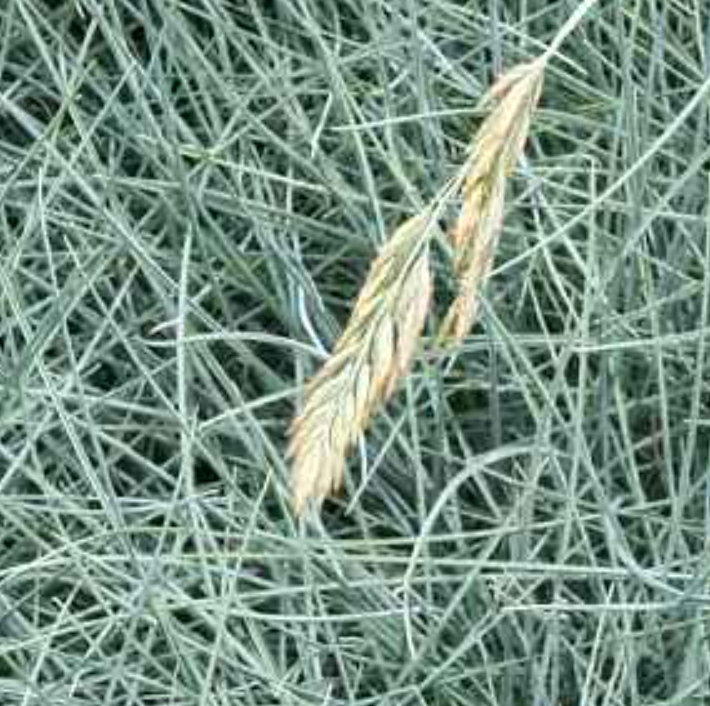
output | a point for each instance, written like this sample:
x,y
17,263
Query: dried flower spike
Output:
x,y
371,356
496,149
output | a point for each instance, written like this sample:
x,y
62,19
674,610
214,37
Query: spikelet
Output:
x,y
371,356
496,149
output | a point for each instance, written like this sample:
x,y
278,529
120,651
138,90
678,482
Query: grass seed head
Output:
x,y
496,150
372,355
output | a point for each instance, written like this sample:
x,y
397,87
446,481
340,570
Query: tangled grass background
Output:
x,y
191,194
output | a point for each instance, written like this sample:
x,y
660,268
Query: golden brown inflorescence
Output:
x,y
379,341
372,355
495,151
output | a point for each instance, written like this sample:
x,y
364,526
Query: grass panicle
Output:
x,y
378,343
495,151
372,355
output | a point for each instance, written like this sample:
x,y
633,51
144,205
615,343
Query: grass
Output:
x,y
191,196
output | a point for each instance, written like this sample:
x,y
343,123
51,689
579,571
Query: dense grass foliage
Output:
x,y
191,194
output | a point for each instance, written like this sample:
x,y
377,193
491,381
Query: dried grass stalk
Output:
x,y
371,356
496,149
379,340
